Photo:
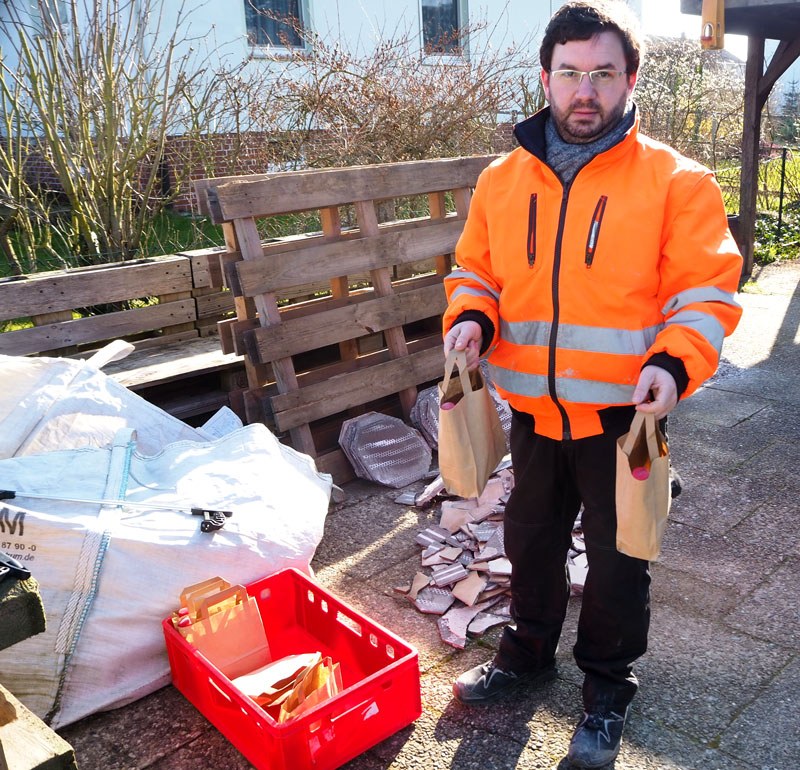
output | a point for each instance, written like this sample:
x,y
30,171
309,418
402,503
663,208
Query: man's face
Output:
x,y
586,112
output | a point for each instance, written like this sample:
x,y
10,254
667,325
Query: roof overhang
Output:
x,y
759,18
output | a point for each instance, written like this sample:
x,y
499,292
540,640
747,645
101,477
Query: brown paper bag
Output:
x,y
321,682
471,438
233,638
642,504
272,684
192,595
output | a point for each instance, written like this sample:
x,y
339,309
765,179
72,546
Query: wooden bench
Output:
x,y
306,363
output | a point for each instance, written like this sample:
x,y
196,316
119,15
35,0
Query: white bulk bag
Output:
x,y
61,403
108,575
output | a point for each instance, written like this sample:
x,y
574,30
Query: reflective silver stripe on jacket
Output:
x,y
701,294
473,291
567,388
460,275
593,339
703,323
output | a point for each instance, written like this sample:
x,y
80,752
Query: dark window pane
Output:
x,y
267,22
440,25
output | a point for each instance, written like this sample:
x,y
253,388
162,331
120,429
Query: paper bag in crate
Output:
x,y
232,638
642,488
471,438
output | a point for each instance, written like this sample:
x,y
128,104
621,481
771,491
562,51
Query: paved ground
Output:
x,y
720,683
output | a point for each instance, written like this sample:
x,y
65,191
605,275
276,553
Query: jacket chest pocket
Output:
x,y
531,240
593,236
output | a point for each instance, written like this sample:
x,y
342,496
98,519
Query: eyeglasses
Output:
x,y
573,78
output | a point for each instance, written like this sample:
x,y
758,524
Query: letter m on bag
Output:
x,y
9,525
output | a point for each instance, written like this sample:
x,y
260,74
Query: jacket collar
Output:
x,y
531,137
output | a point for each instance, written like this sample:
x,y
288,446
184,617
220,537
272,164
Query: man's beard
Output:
x,y
583,132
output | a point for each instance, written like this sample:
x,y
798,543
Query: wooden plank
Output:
x,y
381,280
217,304
46,319
443,262
80,331
336,463
336,394
182,327
202,186
372,251
189,404
329,327
306,240
165,339
268,314
66,290
206,273
244,306
167,363
225,329
332,230
323,373
236,328
338,186
462,198
27,743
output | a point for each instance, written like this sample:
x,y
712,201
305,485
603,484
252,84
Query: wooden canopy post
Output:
x,y
757,88
751,136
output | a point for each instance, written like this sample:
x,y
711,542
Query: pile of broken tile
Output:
x,y
464,575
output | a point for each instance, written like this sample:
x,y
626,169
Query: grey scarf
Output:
x,y
566,159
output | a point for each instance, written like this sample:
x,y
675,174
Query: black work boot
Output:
x,y
595,742
488,682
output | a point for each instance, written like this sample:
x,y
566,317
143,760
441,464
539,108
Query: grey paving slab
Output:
x,y
697,447
734,563
716,502
697,674
690,594
720,407
773,610
137,735
362,538
761,382
767,730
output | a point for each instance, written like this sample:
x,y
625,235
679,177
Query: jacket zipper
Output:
x,y
532,231
551,362
594,229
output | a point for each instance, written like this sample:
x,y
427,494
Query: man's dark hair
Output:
x,y
583,19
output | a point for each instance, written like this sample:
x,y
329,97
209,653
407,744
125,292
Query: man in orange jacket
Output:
x,y
597,270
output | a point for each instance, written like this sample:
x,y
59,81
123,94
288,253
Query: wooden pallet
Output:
x,y
403,312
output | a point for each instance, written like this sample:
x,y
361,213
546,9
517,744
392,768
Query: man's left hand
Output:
x,y
665,392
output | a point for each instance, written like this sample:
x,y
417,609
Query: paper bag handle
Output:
x,y
457,357
238,590
192,593
649,421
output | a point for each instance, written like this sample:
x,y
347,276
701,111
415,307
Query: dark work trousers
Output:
x,y
551,479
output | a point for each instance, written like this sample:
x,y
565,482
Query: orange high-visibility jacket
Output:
x,y
585,284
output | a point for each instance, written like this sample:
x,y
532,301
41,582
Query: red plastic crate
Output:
x,y
380,674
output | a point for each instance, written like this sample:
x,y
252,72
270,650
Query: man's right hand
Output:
x,y
466,336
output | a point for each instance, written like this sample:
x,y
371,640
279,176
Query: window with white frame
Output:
x,y
442,22
274,22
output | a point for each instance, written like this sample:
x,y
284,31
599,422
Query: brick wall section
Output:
x,y
252,153
221,155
